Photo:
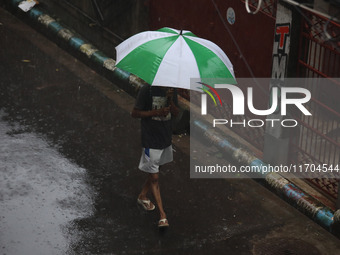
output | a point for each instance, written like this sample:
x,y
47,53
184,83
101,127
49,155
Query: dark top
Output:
x,y
156,131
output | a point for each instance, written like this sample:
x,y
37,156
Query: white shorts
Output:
x,y
151,159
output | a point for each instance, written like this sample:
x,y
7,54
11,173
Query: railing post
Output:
x,y
276,139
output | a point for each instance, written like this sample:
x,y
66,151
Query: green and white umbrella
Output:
x,y
170,57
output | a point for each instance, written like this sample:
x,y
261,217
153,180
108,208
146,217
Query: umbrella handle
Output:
x,y
257,8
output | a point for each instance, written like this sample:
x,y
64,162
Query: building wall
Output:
x,y
253,33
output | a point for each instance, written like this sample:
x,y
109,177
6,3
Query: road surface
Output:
x,y
69,179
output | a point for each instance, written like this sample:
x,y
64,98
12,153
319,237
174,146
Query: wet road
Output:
x,y
40,192
69,181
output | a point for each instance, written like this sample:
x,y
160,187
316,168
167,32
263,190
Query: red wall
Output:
x,y
253,33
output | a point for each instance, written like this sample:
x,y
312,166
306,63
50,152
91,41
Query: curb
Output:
x,y
304,202
79,44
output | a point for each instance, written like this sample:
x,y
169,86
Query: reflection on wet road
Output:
x,y
40,192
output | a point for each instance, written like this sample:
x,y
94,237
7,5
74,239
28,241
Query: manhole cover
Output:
x,y
285,246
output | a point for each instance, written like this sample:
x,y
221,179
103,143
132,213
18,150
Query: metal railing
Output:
x,y
318,139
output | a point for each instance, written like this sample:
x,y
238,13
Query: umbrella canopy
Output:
x,y
170,57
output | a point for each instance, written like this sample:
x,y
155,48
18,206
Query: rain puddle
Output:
x,y
41,192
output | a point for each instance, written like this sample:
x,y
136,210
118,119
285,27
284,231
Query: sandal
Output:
x,y
163,223
147,205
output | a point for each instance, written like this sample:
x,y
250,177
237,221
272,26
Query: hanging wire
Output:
x,y
93,20
239,49
303,6
98,11
266,92
329,18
